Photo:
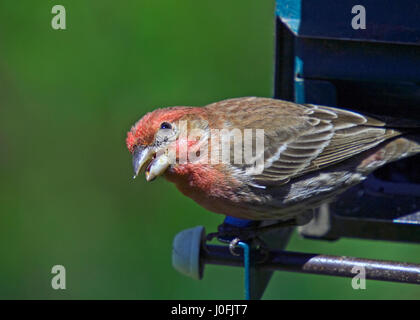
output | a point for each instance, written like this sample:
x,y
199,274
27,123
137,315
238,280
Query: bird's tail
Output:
x,y
398,148
402,147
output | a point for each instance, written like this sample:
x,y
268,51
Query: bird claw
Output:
x,y
226,232
232,235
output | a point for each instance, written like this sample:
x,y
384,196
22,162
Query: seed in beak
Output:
x,y
157,167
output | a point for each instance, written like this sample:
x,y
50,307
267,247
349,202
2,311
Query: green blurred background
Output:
x,y
67,99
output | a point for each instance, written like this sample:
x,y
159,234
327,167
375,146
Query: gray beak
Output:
x,y
141,156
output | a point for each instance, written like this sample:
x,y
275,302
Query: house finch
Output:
x,y
309,154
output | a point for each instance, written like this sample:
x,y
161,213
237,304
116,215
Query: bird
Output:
x,y
303,155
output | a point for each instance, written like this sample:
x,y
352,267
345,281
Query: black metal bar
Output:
x,y
319,264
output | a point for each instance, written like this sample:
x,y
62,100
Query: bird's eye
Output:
x,y
165,125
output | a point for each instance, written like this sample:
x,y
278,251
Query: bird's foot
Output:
x,y
227,232
233,235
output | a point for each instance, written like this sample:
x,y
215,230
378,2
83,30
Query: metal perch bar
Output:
x,y
319,264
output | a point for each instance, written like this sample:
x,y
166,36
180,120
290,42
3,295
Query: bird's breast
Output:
x,y
210,187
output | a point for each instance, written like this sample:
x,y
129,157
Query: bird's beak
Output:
x,y
157,164
141,156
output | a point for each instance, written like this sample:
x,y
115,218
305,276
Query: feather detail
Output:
x,y
300,138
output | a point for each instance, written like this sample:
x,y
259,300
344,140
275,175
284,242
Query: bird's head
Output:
x,y
155,138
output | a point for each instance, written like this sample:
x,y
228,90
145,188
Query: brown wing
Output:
x,y
300,138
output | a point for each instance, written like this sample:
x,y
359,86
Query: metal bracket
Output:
x,y
191,254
